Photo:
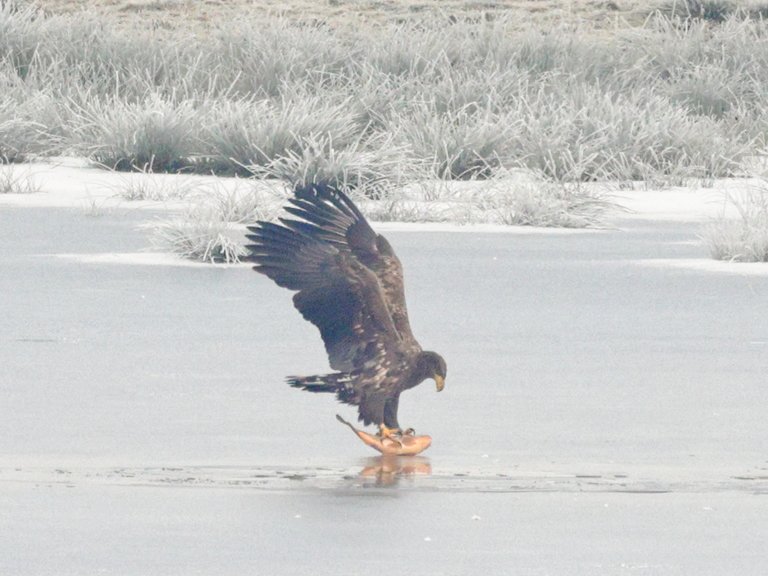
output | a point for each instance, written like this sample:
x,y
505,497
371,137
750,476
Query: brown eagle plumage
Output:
x,y
349,283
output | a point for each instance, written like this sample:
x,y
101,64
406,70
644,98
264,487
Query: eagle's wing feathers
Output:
x,y
340,218
336,292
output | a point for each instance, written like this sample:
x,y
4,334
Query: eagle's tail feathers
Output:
x,y
339,382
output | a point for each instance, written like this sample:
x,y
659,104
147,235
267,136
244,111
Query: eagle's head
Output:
x,y
432,365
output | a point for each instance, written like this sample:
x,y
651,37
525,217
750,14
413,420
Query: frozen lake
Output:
x,y
604,411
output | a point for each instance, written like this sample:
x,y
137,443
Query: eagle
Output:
x,y
349,284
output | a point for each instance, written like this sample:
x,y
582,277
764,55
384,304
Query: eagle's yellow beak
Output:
x,y
440,381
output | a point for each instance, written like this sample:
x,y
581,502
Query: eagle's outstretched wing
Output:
x,y
327,207
348,278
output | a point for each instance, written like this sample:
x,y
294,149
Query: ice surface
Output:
x,y
601,415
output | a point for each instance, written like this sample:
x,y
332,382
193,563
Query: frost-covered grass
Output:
x,y
146,186
200,235
22,132
544,204
686,11
14,180
208,230
150,135
243,136
744,238
211,229
372,167
375,109
458,99
519,198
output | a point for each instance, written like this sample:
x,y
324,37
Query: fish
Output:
x,y
407,444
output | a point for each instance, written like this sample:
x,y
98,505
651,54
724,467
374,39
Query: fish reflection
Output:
x,y
389,469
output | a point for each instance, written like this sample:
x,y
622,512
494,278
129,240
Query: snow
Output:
x,y
708,265
72,182
604,411
677,204
385,227
140,259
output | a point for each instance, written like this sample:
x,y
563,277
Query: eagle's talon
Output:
x,y
391,433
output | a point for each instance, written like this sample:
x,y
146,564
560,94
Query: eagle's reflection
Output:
x,y
389,469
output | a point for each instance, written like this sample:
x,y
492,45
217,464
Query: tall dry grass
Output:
x,y
457,100
370,108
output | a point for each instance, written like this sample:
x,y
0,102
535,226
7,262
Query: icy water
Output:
x,y
600,416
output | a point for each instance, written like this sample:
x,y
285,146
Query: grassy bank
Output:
x,y
455,101
377,107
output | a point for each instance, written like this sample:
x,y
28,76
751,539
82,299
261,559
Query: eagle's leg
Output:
x,y
387,432
390,428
